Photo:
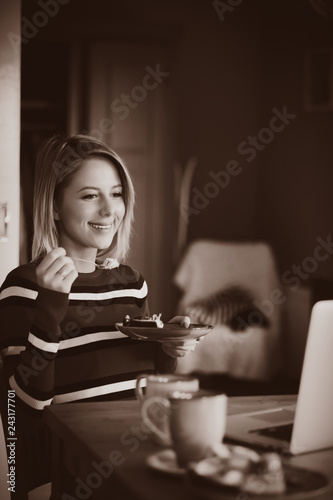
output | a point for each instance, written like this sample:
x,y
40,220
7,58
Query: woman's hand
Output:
x,y
56,271
183,321
180,348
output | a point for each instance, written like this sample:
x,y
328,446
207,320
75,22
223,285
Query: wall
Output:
x,y
233,74
9,164
295,203
10,132
219,103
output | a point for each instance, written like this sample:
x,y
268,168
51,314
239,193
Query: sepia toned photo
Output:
x,y
166,249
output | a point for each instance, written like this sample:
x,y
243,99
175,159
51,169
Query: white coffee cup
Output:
x,y
162,386
197,422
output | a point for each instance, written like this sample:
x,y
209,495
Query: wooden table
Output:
x,y
104,446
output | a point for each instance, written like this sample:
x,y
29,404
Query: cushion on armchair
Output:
x,y
233,307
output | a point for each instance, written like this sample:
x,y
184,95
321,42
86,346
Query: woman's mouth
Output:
x,y
100,226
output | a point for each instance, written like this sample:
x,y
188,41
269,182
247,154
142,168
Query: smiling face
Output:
x,y
90,209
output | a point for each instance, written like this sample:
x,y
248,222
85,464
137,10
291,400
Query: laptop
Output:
x,y
307,425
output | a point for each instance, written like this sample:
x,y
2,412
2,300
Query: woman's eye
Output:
x,y
90,196
117,194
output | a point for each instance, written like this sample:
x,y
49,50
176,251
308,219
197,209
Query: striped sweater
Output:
x,y
59,348
64,348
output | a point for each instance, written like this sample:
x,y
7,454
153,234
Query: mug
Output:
x,y
197,423
162,386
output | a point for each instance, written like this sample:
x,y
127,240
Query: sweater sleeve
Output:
x,y
29,341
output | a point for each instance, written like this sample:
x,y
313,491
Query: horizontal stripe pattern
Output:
x,y
37,404
12,350
42,345
94,347
90,338
84,339
111,294
18,291
93,392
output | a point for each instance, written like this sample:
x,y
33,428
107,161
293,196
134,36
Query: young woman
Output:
x,y
58,337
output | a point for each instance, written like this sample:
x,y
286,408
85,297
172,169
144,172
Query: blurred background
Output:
x,y
222,112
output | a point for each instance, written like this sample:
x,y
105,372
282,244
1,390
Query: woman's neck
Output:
x,y
84,266
84,261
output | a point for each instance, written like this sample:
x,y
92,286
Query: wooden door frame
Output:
x,y
161,215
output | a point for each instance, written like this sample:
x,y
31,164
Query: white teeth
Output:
x,y
99,227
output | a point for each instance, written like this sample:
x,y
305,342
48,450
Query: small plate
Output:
x,y
301,484
171,332
204,479
165,461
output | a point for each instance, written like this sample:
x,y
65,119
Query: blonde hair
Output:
x,y
56,163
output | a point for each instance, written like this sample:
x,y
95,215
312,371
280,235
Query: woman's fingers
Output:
x,y
50,258
184,321
67,280
63,266
65,271
56,271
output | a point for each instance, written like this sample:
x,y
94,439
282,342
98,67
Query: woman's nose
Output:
x,y
107,207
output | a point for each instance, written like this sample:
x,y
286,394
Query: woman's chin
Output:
x,y
104,245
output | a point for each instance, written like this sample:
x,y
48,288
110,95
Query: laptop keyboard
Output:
x,y
282,432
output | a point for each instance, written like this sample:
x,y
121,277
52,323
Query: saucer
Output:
x,y
165,461
170,332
